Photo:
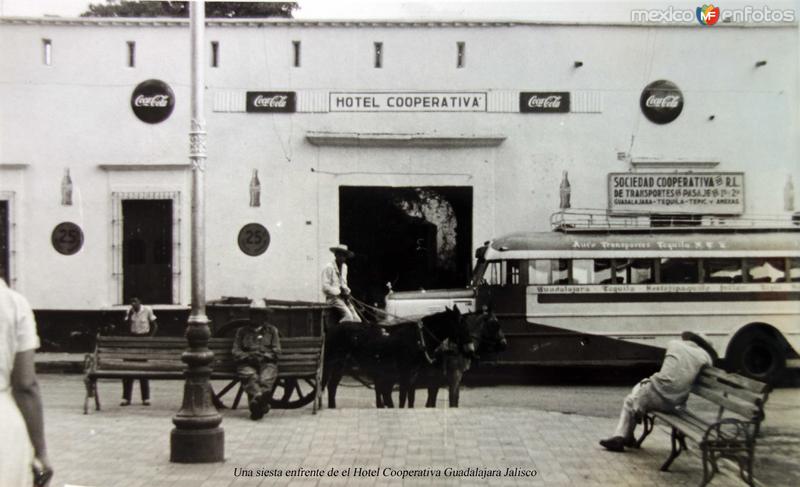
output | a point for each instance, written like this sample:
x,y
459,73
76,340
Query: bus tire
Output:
x,y
758,356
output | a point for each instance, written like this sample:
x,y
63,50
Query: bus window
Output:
x,y
602,272
495,273
679,271
539,271
620,276
582,271
588,271
794,270
637,271
549,271
514,268
766,270
722,270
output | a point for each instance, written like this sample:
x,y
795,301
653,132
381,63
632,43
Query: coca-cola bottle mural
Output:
x,y
788,194
255,190
66,189
565,192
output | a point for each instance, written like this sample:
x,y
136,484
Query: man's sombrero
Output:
x,y
342,249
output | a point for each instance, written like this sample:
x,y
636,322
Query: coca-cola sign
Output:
x,y
544,102
271,101
661,101
153,101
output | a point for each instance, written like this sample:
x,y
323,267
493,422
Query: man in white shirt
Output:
x,y
140,319
666,389
334,284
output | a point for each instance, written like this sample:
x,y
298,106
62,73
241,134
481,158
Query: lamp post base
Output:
x,y
197,446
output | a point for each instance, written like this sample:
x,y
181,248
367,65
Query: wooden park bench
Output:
x,y
156,358
730,431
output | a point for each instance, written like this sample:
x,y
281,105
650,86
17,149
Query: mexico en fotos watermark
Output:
x,y
709,15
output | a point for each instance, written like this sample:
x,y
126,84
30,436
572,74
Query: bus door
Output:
x,y
503,288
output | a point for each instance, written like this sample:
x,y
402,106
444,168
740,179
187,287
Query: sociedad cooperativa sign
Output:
x,y
700,193
408,102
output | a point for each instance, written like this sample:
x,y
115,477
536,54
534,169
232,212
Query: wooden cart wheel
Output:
x,y
292,393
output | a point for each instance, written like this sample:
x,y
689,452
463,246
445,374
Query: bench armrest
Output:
x,y
730,431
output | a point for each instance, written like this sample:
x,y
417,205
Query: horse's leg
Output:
x,y
403,394
407,381
433,391
387,394
454,378
333,384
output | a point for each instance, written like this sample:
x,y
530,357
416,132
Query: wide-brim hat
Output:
x,y
701,340
342,249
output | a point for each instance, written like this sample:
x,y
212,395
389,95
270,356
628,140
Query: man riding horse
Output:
x,y
334,284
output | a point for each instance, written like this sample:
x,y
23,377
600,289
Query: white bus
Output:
x,y
580,296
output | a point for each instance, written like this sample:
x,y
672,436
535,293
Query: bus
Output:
x,y
615,294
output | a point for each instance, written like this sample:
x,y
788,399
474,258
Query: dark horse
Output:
x,y
478,333
386,355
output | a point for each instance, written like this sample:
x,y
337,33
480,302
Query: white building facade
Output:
x,y
364,132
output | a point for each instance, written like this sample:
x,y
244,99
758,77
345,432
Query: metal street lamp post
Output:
x,y
197,436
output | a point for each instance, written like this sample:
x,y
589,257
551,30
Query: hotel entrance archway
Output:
x,y
411,237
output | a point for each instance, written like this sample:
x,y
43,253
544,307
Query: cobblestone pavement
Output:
x,y
128,447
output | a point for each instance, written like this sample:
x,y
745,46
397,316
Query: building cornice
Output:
x,y
359,139
13,166
144,167
360,23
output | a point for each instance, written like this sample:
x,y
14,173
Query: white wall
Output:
x,y
76,114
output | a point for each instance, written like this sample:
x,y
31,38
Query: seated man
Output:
x,y
255,350
666,389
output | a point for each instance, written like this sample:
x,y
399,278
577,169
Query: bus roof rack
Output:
x,y
599,220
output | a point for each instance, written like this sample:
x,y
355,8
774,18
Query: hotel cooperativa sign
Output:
x,y
408,101
687,192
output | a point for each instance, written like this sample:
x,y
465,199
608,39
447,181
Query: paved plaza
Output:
x,y
128,447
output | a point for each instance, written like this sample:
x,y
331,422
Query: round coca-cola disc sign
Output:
x,y
661,101
153,101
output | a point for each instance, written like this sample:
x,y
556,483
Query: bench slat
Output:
x,y
742,394
738,380
688,428
752,412
134,357
153,365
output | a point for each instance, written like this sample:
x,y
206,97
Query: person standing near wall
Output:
x,y
23,452
141,322
334,284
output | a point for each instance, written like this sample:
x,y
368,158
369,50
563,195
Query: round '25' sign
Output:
x,y
253,239
67,238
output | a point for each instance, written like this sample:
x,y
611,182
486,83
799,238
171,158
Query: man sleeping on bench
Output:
x,y
666,389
